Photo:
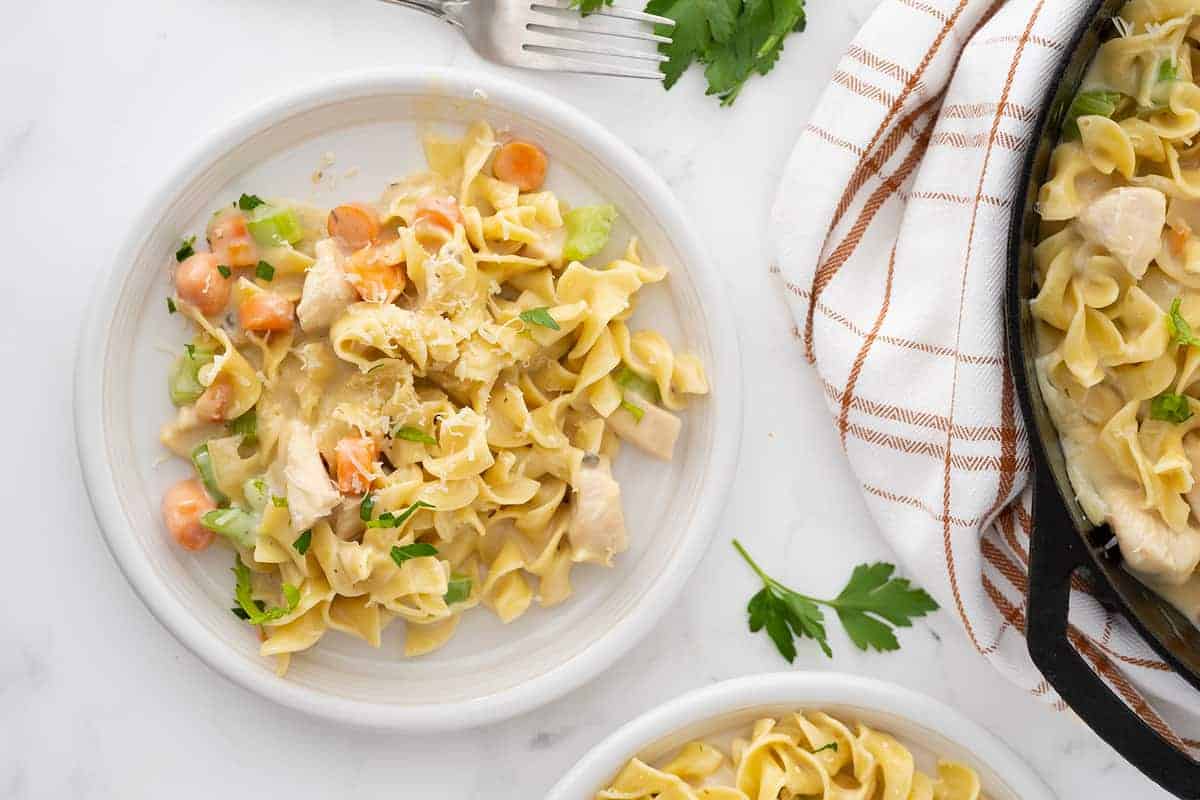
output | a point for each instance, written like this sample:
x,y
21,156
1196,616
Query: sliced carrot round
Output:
x,y
199,282
182,506
355,463
521,163
215,400
265,311
354,224
438,210
230,239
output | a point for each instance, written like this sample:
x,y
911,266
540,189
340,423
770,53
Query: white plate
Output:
x,y
928,728
371,125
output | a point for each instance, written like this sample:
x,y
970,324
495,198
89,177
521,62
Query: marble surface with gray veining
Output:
x,y
97,699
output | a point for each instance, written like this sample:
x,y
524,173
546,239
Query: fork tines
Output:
x,y
556,30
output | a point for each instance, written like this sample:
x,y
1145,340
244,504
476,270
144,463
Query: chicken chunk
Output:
x,y
597,527
1128,222
1150,547
655,432
327,292
310,493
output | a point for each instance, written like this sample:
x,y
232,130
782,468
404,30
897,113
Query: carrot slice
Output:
x,y
522,163
376,274
215,401
230,239
200,282
1177,240
265,311
182,506
354,224
355,463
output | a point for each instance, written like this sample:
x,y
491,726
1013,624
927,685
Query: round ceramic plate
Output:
x,y
344,140
928,728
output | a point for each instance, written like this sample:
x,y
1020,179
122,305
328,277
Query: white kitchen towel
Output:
x,y
891,225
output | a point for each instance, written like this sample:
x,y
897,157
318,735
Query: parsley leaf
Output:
x,y
830,746
732,38
411,434
187,249
1178,327
171,309
265,271
366,507
1170,407
255,611
414,550
303,541
539,316
868,607
389,520
224,270
590,6
249,202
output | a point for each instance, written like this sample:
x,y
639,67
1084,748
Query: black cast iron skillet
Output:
x,y
1063,543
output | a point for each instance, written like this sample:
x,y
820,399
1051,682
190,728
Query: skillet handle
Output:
x,y
1056,550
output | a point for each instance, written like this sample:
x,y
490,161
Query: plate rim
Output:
x,y
453,84
606,757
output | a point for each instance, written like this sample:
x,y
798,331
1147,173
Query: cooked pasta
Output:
x,y
1118,272
810,755
415,409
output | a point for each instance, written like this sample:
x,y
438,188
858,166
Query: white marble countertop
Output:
x,y
97,699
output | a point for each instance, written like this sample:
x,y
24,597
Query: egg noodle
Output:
x,y
1118,270
810,755
447,354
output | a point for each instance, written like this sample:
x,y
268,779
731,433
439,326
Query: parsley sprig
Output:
x,y
255,611
1178,327
871,604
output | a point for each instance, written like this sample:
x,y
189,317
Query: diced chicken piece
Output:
x,y
347,522
1149,546
1128,222
327,292
311,495
597,527
655,432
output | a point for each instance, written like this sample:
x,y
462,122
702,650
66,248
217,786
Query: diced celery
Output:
x,y
588,229
271,225
183,381
246,426
628,379
202,461
240,527
257,493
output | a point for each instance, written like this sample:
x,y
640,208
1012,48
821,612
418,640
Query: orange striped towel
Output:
x,y
892,254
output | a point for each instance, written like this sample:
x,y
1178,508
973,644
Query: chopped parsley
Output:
x,y
414,550
265,271
1170,407
831,746
224,270
1178,327
187,249
249,202
303,541
389,520
540,316
171,309
411,434
366,507
255,611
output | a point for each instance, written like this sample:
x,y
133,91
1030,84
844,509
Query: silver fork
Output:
x,y
548,34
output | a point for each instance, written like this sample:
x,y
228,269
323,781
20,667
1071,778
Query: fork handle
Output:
x,y
436,8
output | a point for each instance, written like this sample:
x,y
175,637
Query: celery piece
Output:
x,y
271,225
588,229
202,461
257,493
240,527
628,379
183,381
